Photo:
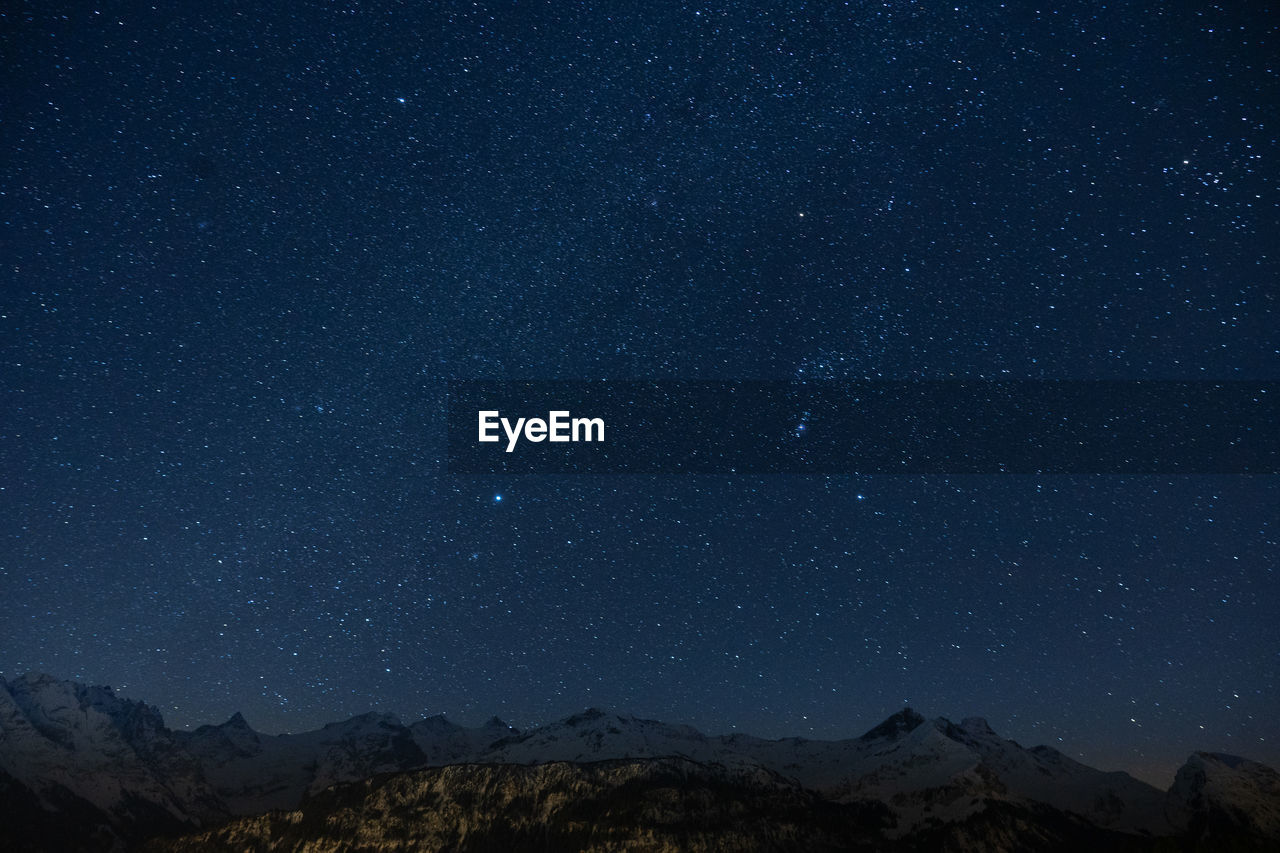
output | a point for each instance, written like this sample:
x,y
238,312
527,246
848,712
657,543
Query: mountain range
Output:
x,y
83,769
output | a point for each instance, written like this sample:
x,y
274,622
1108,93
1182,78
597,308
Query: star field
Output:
x,y
245,247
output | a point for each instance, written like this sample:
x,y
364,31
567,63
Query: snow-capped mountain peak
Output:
x,y
895,726
68,743
1218,796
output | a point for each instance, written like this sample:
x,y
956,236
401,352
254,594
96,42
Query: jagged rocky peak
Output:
x,y
223,742
237,721
975,732
437,723
978,727
590,715
370,720
895,726
236,726
496,723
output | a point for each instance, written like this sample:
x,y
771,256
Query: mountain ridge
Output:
x,y
76,749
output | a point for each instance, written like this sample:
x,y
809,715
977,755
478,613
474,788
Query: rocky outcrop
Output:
x,y
668,804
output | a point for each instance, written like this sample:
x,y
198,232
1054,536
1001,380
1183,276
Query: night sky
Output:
x,y
245,246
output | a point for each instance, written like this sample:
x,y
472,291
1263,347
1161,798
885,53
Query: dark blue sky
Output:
x,y
244,247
